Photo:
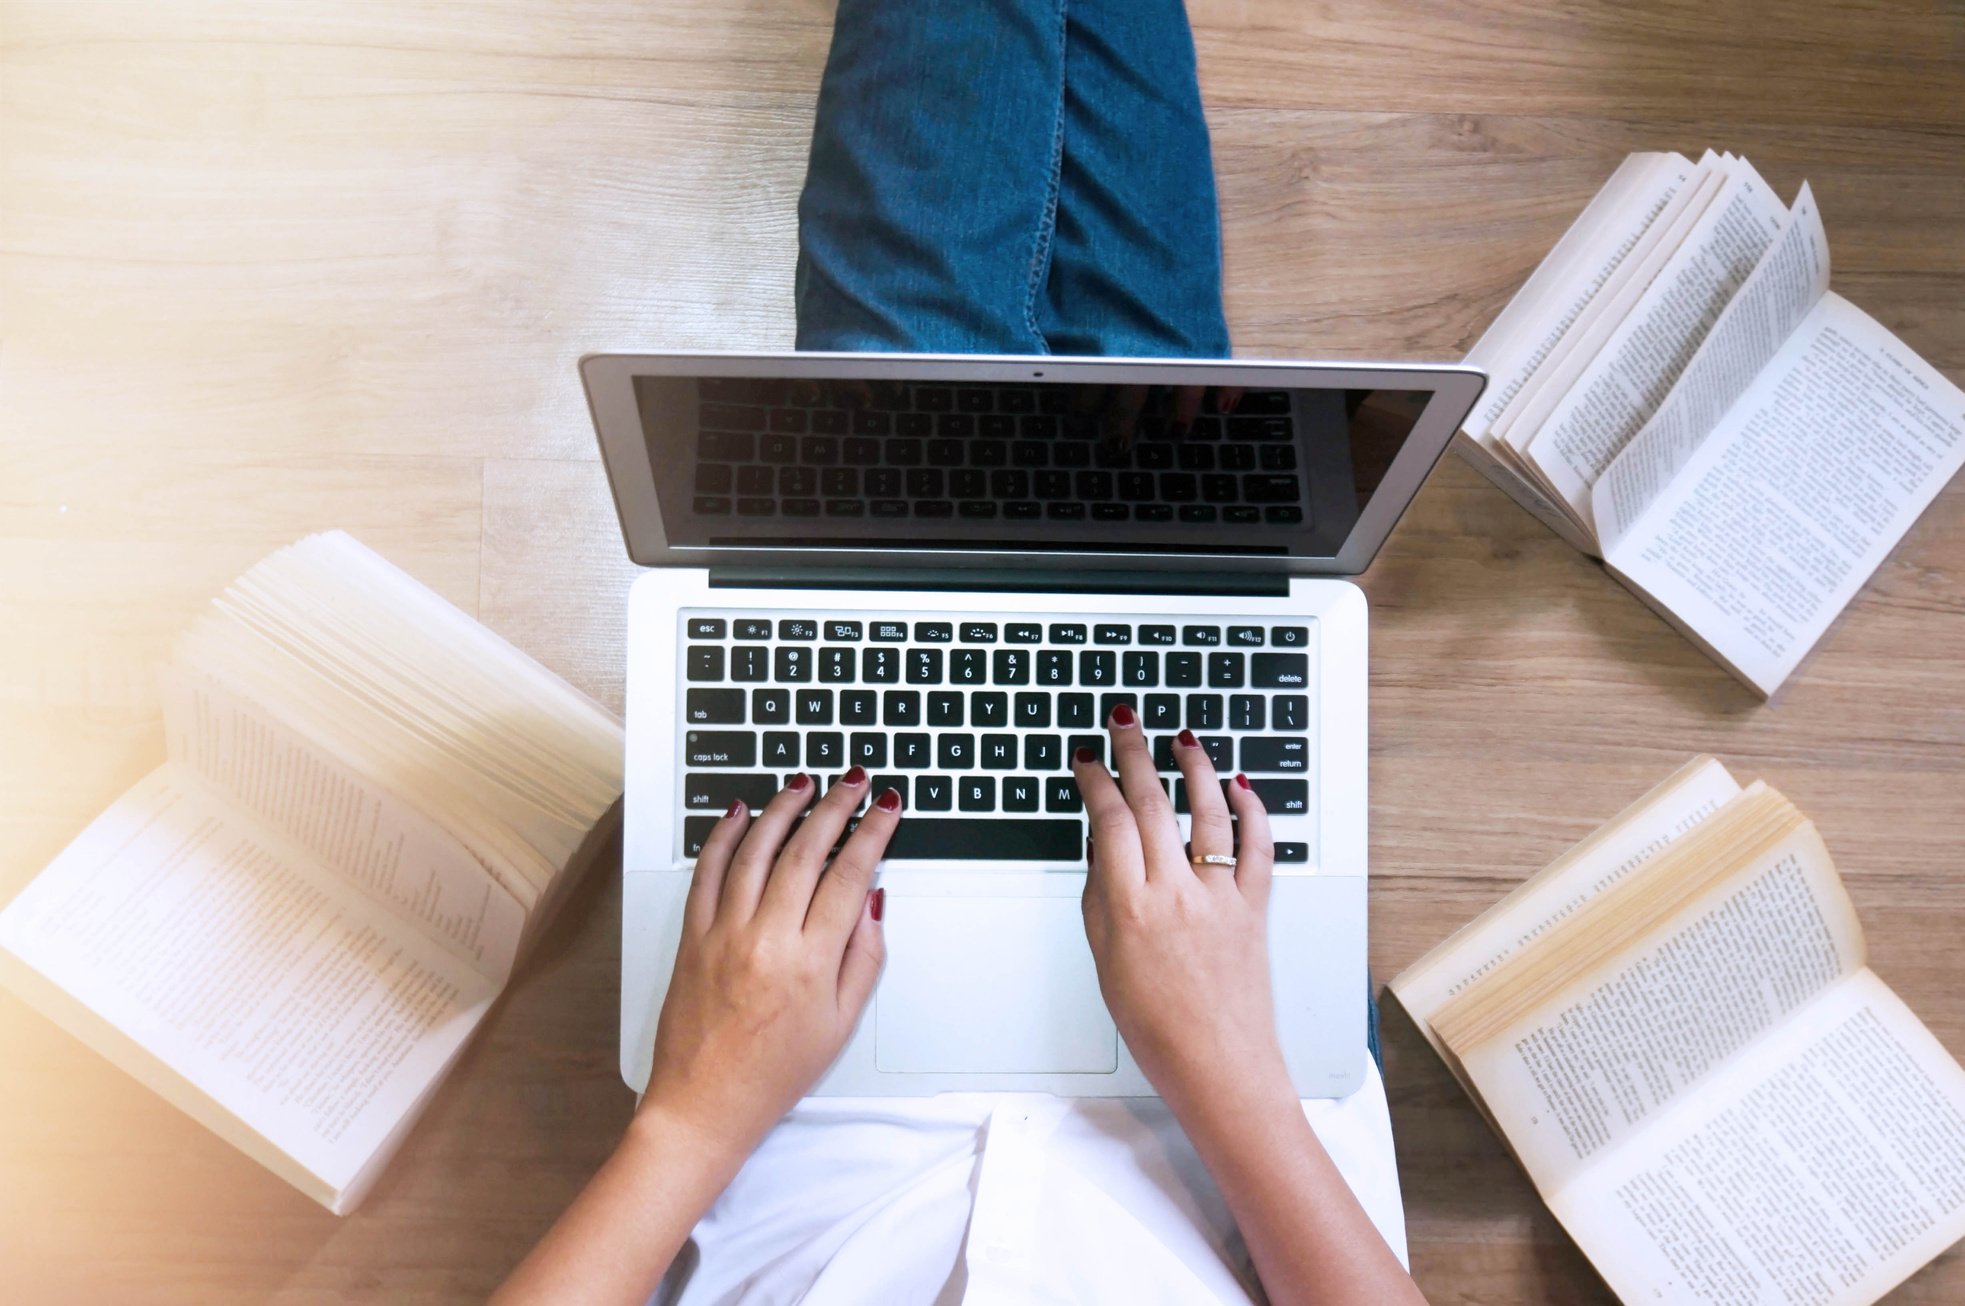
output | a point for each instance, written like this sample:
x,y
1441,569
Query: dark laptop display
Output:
x,y
984,465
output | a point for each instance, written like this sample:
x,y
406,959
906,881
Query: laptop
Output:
x,y
948,570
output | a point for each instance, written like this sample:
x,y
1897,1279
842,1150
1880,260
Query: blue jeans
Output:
x,y
1013,177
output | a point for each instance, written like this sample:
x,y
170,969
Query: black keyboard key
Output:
x,y
1241,514
945,707
868,750
695,833
1106,702
825,750
1154,512
1061,795
1140,670
814,707
1245,712
717,790
1162,712
924,666
1097,668
712,505
771,707
1011,666
752,628
1280,670
750,663
1282,797
1156,634
973,401
1112,634
1282,514
999,752
706,628
890,632
714,707
933,632
801,629
1067,633
1291,711
859,707
989,709
932,793
1031,711
1042,752
791,664
1075,711
1226,670
720,748
1053,667
1030,839
836,666
880,666
882,783
780,748
955,752
1285,753
1023,633
1289,853
1021,793
976,793
705,662
1245,636
1290,636
842,630
1163,754
1204,711
979,632
756,507
968,666
1110,512
913,750
1183,670
1093,744
727,446
900,707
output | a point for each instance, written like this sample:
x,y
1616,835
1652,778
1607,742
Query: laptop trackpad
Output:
x,y
990,986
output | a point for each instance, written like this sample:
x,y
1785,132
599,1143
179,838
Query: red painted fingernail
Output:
x,y
889,801
1122,716
1187,739
736,810
1242,780
879,904
856,776
1085,755
800,782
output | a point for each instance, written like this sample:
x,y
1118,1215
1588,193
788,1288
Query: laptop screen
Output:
x,y
994,465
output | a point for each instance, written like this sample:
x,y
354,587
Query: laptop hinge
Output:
x,y
1231,584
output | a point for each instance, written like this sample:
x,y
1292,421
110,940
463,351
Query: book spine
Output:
x,y
1530,498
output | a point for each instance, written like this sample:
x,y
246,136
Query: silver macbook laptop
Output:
x,y
948,570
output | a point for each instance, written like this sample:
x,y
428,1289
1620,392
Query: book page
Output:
x,y
309,1012
1563,284
1639,364
255,761
1609,1051
1822,1170
1554,894
1795,499
1793,275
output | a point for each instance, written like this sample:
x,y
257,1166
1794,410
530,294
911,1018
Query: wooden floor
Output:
x,y
271,268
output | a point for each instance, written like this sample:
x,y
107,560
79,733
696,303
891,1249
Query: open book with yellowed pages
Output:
x,y
1675,1030
1677,391
366,816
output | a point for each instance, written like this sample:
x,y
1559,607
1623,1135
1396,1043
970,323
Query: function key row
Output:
x,y
808,630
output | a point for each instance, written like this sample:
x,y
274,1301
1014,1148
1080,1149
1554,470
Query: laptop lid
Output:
x,y
888,462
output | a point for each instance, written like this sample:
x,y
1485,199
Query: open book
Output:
x,y
1677,391
1674,1029
290,929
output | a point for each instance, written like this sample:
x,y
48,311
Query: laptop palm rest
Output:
x,y
982,985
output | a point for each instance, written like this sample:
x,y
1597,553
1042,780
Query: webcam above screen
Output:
x,y
896,460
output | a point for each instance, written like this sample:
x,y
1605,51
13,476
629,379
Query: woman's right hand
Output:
x,y
1182,949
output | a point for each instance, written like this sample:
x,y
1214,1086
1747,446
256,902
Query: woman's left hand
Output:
x,y
779,954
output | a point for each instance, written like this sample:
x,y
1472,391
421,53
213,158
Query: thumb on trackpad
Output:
x,y
990,986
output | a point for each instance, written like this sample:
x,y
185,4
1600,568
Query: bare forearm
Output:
x,y
618,1238
1310,1239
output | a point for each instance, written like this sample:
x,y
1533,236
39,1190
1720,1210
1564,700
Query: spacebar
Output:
x,y
989,839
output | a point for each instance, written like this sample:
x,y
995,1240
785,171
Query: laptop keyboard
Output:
x,y
889,451
975,720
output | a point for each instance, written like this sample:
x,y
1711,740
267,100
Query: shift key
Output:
x,y
1281,797
720,748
